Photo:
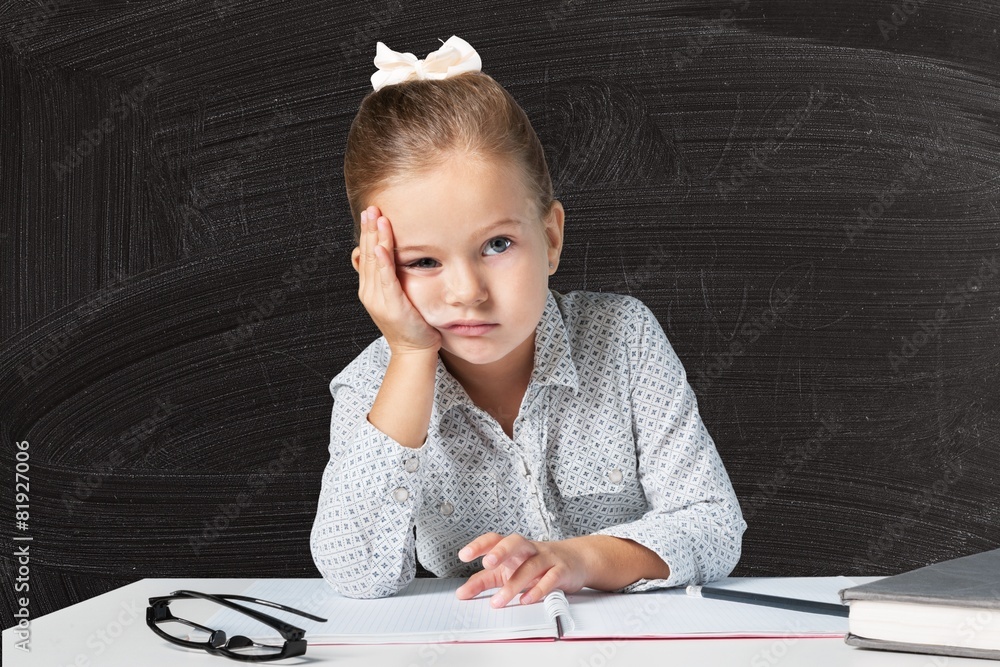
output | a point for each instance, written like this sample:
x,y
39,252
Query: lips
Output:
x,y
466,323
476,328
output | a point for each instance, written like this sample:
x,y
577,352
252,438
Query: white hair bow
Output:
x,y
454,57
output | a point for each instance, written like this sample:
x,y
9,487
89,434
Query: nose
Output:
x,y
465,284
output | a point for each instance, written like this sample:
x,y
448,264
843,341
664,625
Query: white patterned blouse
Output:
x,y
608,440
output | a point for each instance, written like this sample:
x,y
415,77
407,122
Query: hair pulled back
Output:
x,y
407,129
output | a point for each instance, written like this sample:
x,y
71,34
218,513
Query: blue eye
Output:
x,y
417,264
501,238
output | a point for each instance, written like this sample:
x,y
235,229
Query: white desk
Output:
x,y
110,630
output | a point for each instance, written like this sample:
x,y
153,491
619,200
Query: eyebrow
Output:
x,y
488,228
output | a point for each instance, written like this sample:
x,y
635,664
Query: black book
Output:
x,y
948,608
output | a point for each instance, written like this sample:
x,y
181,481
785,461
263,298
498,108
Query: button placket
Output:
x,y
535,499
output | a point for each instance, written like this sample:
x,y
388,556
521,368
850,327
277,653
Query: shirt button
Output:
x,y
447,509
411,464
400,494
615,475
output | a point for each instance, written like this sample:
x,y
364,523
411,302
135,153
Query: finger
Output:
x,y
383,248
510,552
367,271
530,570
361,253
374,272
371,240
539,588
481,581
387,239
478,546
534,582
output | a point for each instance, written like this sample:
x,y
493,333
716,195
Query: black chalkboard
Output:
x,y
806,195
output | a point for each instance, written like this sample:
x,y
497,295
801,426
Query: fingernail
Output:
x,y
526,598
496,600
465,553
489,560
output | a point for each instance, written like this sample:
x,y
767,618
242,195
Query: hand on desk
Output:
x,y
515,563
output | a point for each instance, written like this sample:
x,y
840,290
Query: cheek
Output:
x,y
411,287
404,281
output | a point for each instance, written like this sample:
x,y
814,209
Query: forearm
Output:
x,y
700,542
613,563
362,539
402,407
344,552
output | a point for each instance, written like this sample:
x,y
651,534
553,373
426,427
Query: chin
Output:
x,y
476,353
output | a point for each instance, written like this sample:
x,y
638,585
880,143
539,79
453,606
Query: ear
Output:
x,y
356,259
554,233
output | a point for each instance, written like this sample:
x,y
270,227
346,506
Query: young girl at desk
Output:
x,y
553,435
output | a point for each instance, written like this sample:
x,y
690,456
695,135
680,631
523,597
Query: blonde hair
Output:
x,y
409,128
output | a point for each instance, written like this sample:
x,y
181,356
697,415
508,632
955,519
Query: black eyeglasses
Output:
x,y
160,619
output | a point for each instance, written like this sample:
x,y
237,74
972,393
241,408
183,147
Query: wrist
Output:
x,y
421,353
612,562
592,550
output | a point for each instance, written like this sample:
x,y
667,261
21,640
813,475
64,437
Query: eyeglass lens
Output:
x,y
271,642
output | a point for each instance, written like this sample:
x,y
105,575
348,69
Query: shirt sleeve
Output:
x,y
362,539
694,522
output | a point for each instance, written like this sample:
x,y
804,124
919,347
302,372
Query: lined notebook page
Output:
x,y
671,613
427,611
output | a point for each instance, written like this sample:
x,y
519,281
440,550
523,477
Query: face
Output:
x,y
484,257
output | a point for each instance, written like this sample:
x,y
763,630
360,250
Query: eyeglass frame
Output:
x,y
295,644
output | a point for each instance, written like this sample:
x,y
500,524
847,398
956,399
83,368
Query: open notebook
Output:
x,y
427,611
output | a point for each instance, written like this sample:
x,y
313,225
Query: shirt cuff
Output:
x,y
671,551
379,462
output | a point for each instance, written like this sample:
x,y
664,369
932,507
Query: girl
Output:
x,y
552,435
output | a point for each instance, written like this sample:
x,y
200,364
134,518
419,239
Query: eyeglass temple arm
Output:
x,y
287,630
268,603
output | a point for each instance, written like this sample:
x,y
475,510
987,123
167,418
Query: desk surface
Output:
x,y
110,630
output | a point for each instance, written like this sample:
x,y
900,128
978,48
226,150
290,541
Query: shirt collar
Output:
x,y
553,362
